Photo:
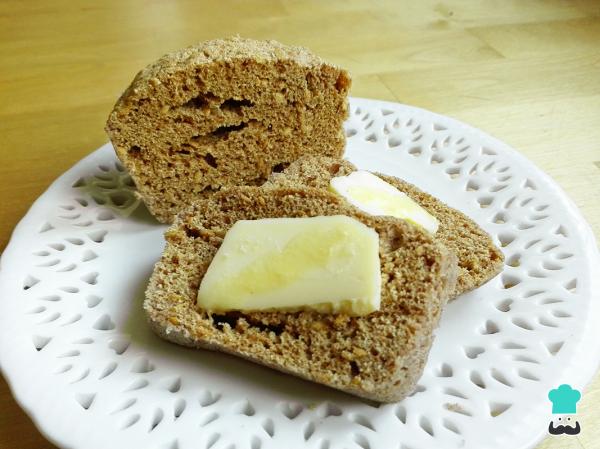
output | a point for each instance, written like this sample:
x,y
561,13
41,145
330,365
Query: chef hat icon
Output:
x,y
564,399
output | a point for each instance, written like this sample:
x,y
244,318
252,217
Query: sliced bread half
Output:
x,y
225,112
379,356
479,259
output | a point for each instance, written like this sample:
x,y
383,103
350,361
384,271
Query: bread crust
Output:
x,y
378,357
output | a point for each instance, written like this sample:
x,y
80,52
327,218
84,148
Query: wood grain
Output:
x,y
527,72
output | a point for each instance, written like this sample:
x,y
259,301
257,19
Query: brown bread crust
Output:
x,y
379,356
225,112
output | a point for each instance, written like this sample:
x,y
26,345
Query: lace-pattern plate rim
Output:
x,y
79,358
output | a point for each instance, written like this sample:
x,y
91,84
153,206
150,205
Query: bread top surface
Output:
x,y
370,353
228,50
479,259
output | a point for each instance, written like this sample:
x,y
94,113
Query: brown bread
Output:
x,y
222,113
379,356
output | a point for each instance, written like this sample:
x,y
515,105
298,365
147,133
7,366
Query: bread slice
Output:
x,y
479,259
379,356
225,112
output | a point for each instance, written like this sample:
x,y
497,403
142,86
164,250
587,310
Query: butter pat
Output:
x,y
327,264
374,196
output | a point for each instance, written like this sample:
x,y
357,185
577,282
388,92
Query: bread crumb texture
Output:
x,y
222,113
379,356
479,259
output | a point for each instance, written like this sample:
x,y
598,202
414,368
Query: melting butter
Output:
x,y
328,264
374,196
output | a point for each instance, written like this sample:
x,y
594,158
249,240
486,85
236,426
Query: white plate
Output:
x,y
74,273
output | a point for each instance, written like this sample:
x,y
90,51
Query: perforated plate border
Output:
x,y
80,360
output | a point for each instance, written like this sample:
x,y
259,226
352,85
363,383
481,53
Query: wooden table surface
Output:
x,y
527,72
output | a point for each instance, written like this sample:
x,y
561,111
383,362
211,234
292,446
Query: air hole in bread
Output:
x,y
225,130
219,321
184,119
192,233
201,101
235,105
134,150
354,369
278,168
210,160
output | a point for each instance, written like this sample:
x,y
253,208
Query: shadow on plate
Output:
x,y
114,189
